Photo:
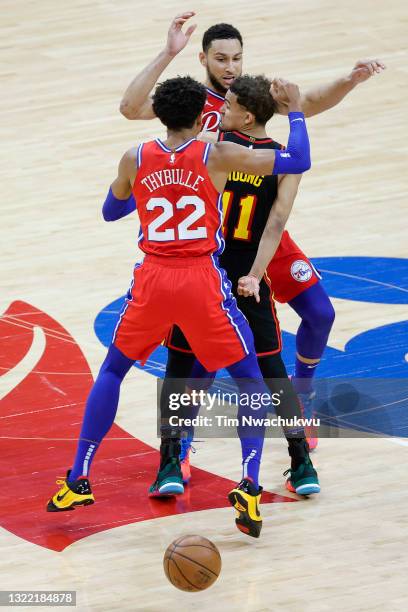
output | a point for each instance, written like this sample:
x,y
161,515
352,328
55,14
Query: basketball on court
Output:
x,y
192,563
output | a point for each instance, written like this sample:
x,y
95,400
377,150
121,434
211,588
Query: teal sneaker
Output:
x,y
303,480
169,480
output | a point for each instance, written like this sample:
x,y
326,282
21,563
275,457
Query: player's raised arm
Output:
x,y
120,201
136,102
323,97
271,236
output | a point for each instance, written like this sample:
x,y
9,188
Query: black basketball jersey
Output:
x,y
247,199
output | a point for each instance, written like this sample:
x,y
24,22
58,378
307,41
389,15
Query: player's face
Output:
x,y
223,62
233,115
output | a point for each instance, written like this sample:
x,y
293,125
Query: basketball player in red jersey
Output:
x,y
177,184
294,279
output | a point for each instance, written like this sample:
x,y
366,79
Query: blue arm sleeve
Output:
x,y
296,158
114,209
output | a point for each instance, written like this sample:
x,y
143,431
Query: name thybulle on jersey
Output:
x,y
173,176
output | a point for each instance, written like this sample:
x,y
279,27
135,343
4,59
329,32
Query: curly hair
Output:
x,y
253,93
178,102
220,31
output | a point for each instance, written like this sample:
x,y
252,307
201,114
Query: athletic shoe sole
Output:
x,y
51,507
168,489
243,521
306,489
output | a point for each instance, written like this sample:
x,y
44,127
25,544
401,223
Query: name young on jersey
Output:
x,y
254,180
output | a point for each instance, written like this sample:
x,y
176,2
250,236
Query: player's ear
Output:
x,y
203,59
249,119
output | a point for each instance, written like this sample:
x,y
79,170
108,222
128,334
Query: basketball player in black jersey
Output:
x,y
248,203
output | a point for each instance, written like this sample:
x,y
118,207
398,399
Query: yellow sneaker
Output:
x,y
245,498
71,494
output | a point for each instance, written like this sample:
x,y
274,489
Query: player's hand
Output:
x,y
364,69
176,38
248,286
285,93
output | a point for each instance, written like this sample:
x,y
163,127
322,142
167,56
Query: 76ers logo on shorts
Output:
x,y
301,271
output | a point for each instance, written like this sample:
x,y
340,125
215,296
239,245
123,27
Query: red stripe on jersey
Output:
x,y
252,139
275,317
179,208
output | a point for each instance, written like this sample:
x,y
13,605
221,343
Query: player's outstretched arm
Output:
x,y
271,236
324,97
136,102
227,157
120,201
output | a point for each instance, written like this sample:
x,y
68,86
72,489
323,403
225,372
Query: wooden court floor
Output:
x,y
63,71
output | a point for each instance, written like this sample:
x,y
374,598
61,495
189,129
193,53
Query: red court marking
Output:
x,y
49,403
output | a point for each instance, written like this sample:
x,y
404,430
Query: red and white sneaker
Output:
x,y
186,448
306,405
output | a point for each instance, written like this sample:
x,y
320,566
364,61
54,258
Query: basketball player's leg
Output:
x,y
171,476
295,281
245,497
222,338
176,442
182,367
317,316
302,477
317,313
100,412
264,323
138,332
247,377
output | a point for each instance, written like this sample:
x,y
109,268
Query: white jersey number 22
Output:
x,y
183,230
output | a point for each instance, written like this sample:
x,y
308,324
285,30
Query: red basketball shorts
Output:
x,y
290,272
193,293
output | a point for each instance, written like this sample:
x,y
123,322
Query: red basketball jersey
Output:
x,y
211,114
179,208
